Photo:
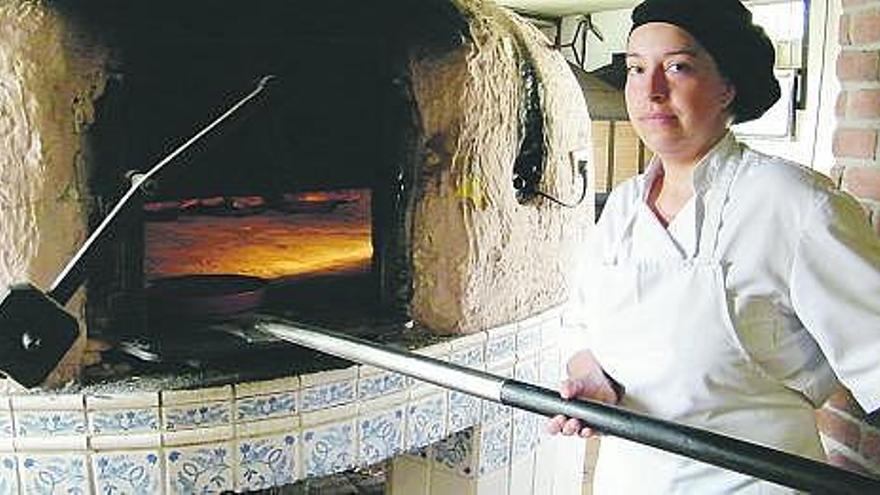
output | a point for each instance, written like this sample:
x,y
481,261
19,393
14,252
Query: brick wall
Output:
x,y
850,442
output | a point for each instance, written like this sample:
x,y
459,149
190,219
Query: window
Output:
x,y
785,22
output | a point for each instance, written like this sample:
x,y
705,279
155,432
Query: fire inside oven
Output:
x,y
295,235
208,258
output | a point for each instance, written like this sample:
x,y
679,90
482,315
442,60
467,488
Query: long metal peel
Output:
x,y
706,446
35,330
70,277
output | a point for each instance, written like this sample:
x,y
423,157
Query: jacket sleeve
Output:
x,y
835,291
577,312
580,310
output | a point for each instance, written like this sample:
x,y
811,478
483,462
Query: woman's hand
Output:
x,y
586,380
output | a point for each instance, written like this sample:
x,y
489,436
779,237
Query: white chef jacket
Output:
x,y
802,268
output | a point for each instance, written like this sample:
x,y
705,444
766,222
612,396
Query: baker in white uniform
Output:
x,y
724,288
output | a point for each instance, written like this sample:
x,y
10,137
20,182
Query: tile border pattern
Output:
x,y
260,435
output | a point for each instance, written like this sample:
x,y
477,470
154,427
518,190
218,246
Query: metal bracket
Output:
x,y
578,42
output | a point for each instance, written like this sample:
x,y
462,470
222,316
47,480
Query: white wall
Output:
x,y
614,25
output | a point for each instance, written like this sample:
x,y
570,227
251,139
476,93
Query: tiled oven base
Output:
x,y
479,461
269,433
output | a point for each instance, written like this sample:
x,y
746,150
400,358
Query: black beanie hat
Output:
x,y
742,51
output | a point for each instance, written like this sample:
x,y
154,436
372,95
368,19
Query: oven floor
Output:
x,y
233,349
317,265
341,301
270,245
318,269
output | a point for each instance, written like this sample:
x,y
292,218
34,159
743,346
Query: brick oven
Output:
x,y
396,170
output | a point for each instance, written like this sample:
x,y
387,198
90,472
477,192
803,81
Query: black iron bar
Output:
x,y
73,274
705,446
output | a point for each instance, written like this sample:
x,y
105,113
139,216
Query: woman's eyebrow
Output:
x,y
682,51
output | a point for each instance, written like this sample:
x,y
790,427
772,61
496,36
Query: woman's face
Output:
x,y
676,98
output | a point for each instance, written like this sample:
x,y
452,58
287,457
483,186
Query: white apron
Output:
x,y
665,333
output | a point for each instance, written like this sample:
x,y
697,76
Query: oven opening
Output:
x,y
297,207
261,219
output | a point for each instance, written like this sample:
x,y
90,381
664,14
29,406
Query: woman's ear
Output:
x,y
728,95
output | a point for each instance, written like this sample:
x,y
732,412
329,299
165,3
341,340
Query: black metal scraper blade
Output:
x,y
35,333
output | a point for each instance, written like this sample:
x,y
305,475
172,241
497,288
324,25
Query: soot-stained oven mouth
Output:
x,y
298,206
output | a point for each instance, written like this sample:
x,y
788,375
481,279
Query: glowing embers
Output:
x,y
277,238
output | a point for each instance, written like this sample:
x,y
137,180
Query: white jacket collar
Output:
x,y
706,170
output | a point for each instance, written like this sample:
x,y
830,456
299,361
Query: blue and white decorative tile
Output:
x,y
329,449
379,384
526,432
44,402
49,423
456,452
527,371
266,387
8,474
422,452
380,436
200,469
119,401
426,421
549,368
464,410
551,331
53,473
266,462
494,412
528,340
494,447
196,396
6,430
266,406
6,427
133,472
122,421
501,346
472,357
180,440
329,395
197,416
439,350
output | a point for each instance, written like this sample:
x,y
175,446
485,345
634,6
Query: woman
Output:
x,y
735,288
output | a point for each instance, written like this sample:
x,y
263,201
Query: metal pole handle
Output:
x,y
70,278
712,448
